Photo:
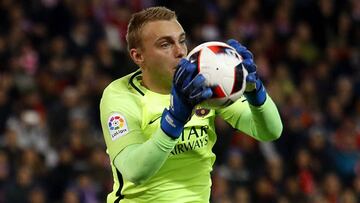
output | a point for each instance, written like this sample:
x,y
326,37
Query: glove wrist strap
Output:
x,y
170,125
258,96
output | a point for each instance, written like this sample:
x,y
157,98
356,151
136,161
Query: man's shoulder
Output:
x,y
121,91
121,86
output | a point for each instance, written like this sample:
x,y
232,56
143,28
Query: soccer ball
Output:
x,y
221,66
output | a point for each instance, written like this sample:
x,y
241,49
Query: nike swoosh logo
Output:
x,y
152,121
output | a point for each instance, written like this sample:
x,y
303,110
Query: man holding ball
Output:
x,y
160,150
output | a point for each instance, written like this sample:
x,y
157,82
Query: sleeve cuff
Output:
x,y
256,97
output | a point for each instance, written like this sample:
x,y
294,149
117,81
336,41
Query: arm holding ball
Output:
x,y
258,117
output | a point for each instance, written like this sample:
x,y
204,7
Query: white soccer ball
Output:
x,y
221,66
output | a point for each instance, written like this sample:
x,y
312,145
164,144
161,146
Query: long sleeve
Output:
x,y
138,162
263,122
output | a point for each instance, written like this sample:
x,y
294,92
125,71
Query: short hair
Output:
x,y
139,19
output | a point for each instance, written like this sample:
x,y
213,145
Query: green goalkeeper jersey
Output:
x,y
131,114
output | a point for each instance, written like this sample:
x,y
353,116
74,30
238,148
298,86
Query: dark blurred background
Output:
x,y
56,57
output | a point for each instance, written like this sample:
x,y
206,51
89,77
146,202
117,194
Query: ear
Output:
x,y
136,56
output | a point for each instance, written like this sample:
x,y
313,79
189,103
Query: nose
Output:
x,y
180,50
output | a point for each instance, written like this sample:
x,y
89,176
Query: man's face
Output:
x,y
163,45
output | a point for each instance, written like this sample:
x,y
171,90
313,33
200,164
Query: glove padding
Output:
x,y
187,91
255,91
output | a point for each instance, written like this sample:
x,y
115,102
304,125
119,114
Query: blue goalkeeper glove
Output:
x,y
255,91
188,90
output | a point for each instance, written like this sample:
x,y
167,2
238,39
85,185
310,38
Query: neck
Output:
x,y
156,85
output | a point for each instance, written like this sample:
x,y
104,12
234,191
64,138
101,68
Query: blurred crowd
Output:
x,y
56,57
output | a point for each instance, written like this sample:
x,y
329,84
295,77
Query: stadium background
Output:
x,y
56,56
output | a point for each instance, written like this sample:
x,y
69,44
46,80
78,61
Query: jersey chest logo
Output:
x,y
117,126
202,112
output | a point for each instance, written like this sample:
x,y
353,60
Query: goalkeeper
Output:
x,y
158,138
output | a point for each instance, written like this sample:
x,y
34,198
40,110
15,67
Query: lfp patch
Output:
x,y
117,126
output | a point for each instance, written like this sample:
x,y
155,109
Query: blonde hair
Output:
x,y
139,19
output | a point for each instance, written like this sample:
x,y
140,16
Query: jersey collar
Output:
x,y
134,81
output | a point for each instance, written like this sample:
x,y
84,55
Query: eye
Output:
x,y
165,45
183,41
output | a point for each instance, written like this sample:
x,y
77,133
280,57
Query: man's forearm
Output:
x,y
265,122
139,162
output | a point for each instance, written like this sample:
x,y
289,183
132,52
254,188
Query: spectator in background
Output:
x,y
19,189
235,171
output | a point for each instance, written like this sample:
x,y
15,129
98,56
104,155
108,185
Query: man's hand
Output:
x,y
255,91
187,91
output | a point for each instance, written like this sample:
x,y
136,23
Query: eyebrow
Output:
x,y
169,37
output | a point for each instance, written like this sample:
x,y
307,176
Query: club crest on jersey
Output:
x,y
201,112
117,126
